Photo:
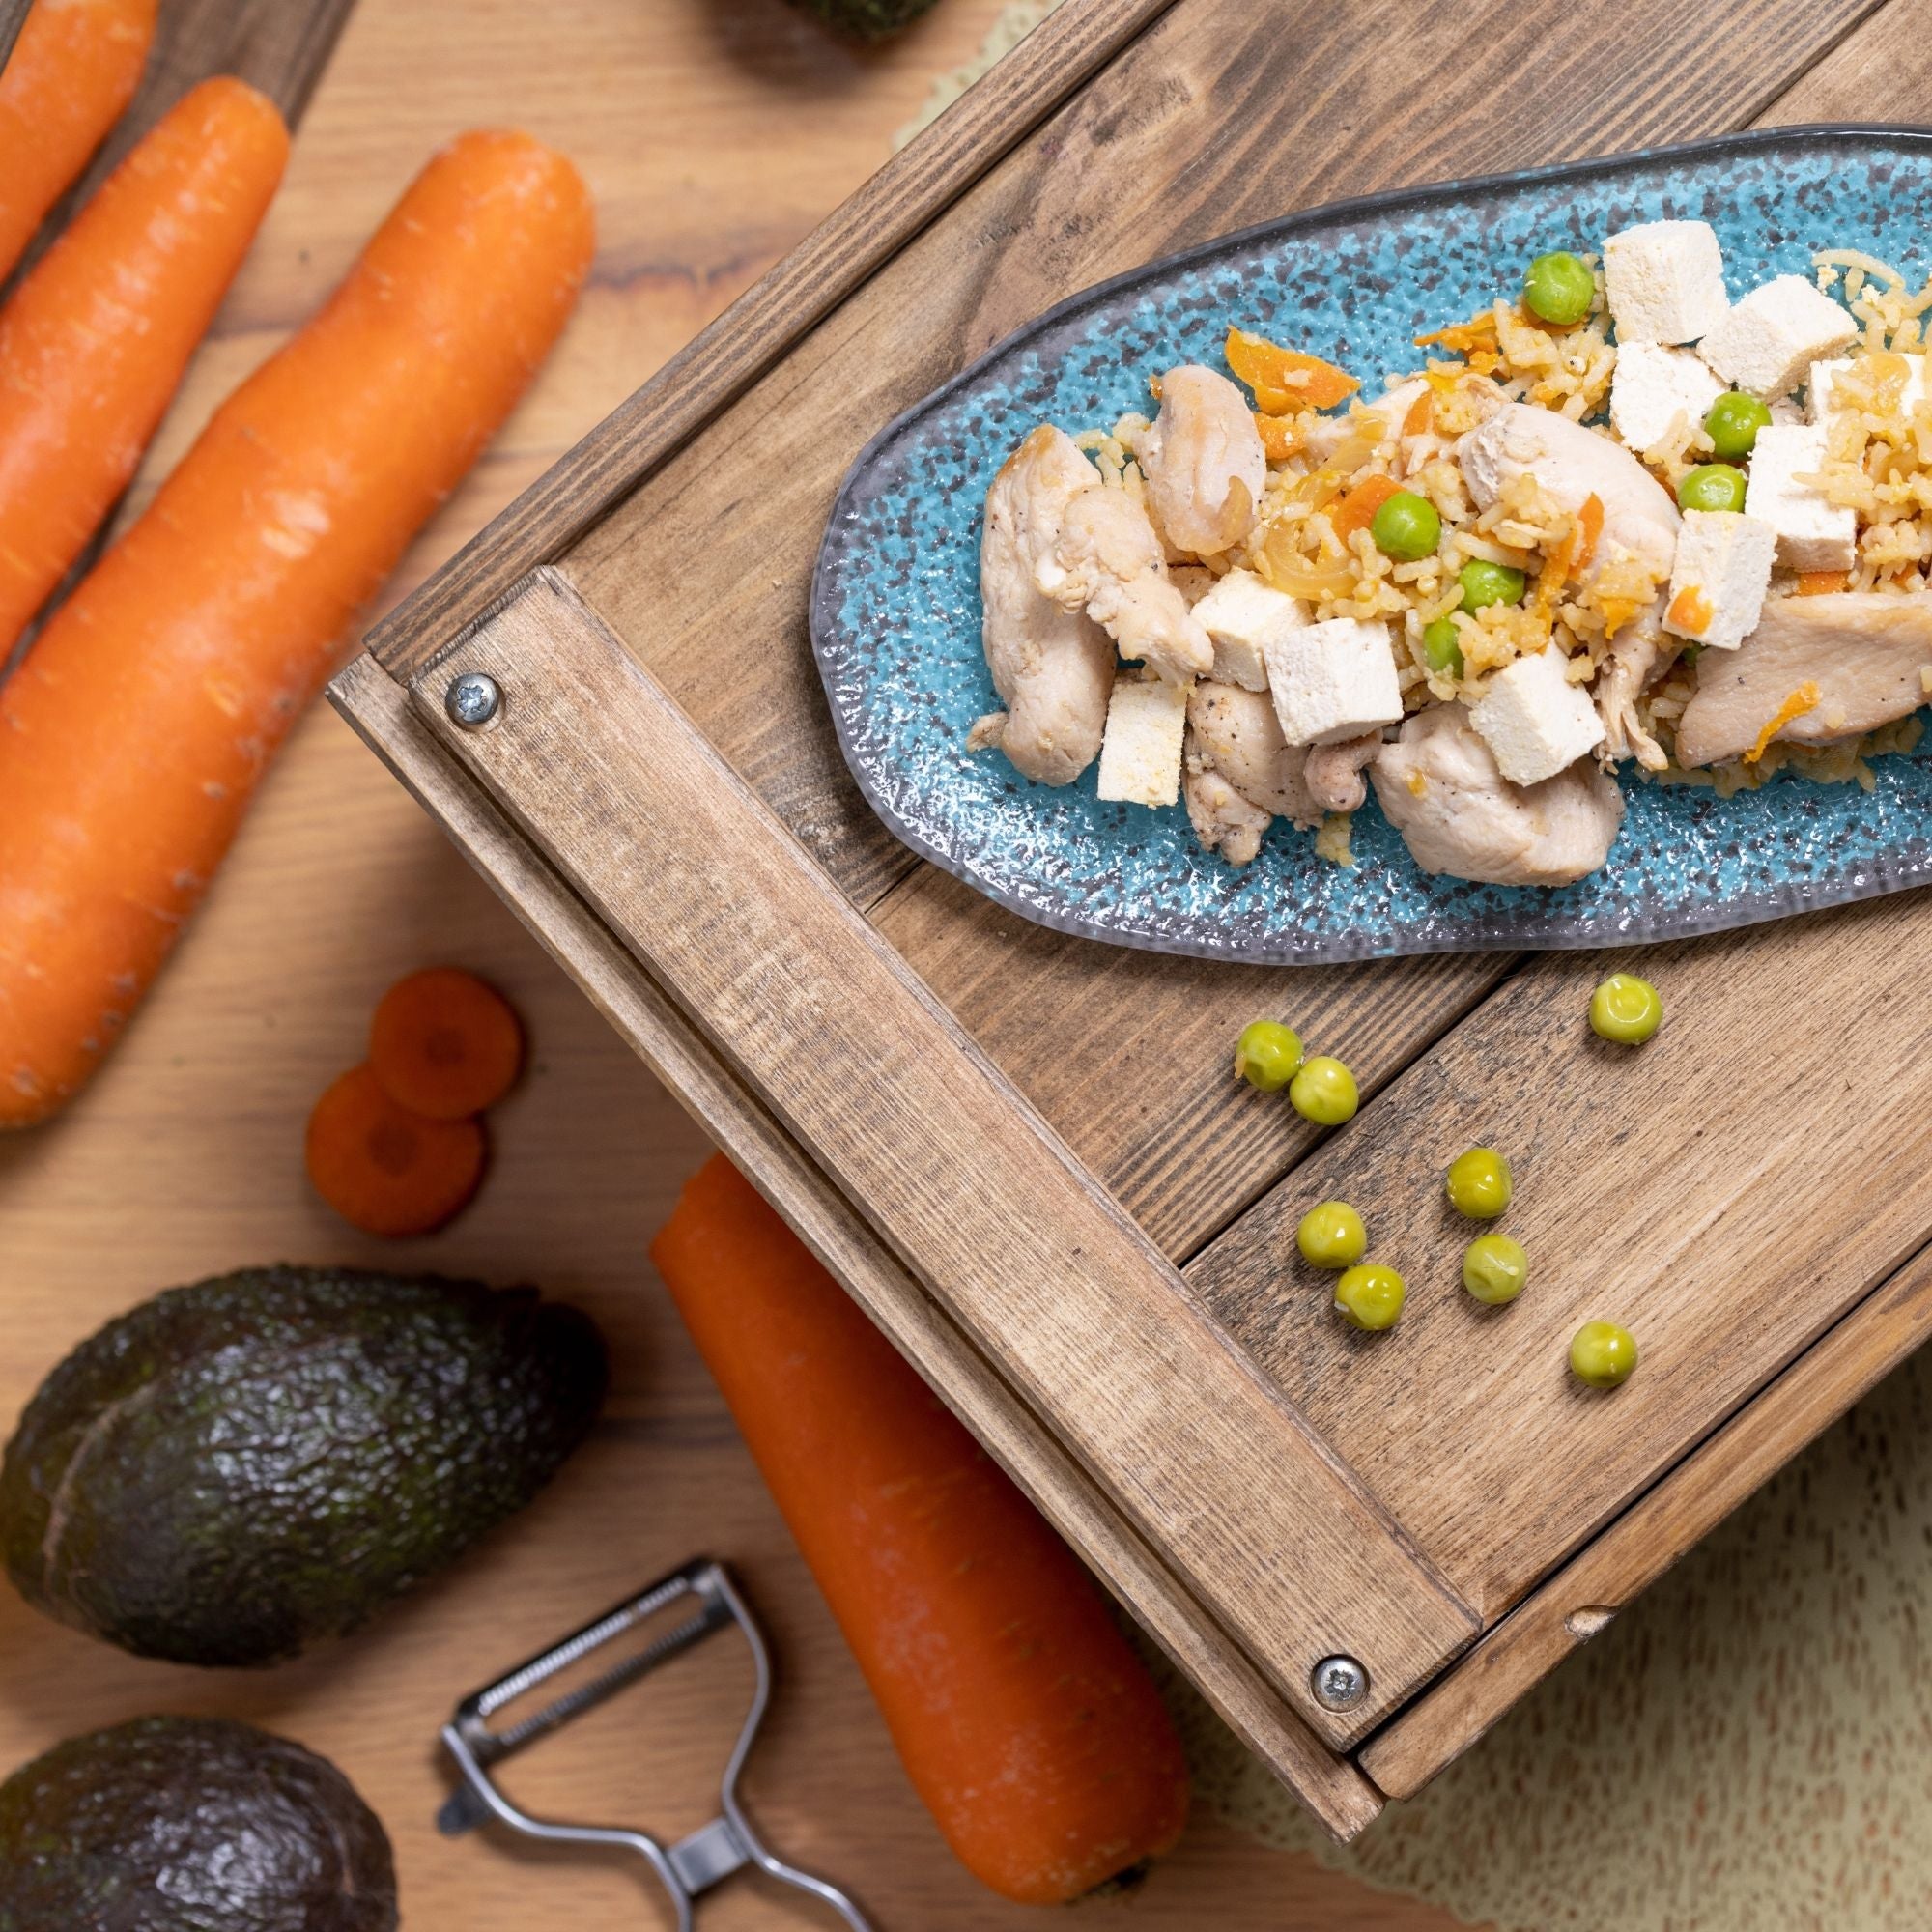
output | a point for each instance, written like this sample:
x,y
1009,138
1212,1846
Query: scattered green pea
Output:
x,y
1484,584
1602,1355
1331,1236
1370,1296
1732,423
1266,1055
1495,1268
1626,1010
1405,527
1325,1092
1443,646
1479,1183
1712,486
1559,286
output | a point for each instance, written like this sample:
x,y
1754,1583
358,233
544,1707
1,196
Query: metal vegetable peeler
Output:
x,y
710,1854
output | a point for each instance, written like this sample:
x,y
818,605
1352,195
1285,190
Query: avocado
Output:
x,y
238,1468
189,1824
866,19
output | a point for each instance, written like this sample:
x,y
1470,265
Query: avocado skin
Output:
x,y
189,1824
866,19
235,1469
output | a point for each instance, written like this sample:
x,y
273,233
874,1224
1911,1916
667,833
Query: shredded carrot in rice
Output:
x,y
1805,699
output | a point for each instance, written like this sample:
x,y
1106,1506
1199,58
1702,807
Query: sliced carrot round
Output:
x,y
384,1169
444,1045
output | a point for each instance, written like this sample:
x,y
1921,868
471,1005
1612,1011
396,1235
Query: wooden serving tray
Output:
x,y
1024,1153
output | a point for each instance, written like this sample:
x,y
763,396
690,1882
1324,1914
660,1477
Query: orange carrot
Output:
x,y
95,338
1286,379
445,1045
384,1169
1025,1721
72,73
1356,511
1280,436
134,733
1822,582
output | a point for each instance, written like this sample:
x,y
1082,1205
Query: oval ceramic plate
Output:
x,y
895,603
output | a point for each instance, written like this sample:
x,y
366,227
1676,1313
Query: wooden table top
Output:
x,y
714,134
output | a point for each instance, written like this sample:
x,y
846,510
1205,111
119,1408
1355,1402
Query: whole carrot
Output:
x,y
1026,1722
72,73
134,733
96,337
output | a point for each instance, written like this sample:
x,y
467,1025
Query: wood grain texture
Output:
x,y
13,18
1580,1599
653,1027
966,1185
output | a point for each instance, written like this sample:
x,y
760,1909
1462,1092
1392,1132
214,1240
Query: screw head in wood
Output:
x,y
474,699
1339,1682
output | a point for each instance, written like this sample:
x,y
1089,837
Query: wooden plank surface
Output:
x,y
13,16
961,1178
184,1157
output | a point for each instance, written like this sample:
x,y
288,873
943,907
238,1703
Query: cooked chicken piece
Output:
x,y
1108,559
1439,787
1223,820
1334,773
1573,463
1865,653
1238,734
1203,461
1628,672
1052,666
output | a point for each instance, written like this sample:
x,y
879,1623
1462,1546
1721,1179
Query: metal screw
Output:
x,y
1339,1682
474,699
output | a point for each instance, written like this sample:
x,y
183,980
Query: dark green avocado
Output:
x,y
236,1469
189,1824
866,19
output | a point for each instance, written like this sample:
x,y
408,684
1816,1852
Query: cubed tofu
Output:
x,y
1333,680
1535,722
1243,615
1812,533
1825,374
1665,281
1724,568
1139,756
1768,342
1651,385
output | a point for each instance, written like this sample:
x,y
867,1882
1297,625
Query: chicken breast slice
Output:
x,y
1223,820
1237,734
1108,559
1439,787
1627,673
1334,773
1053,666
1866,653
1203,461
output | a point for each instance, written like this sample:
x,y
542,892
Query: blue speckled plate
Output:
x,y
895,605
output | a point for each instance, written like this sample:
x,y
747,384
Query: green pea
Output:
x,y
1495,1268
1407,527
1266,1055
1443,646
1558,287
1325,1092
1370,1296
1732,423
1626,1008
1484,584
1331,1236
1479,1183
1712,486
1600,1354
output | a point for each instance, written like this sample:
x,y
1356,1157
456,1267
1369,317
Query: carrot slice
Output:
x,y
384,1169
1356,511
1285,379
1026,1722
134,733
96,337
1279,436
1421,415
1589,532
71,73
1822,582
444,1045
1805,699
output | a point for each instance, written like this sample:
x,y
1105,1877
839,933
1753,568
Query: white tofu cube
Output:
x,y
1535,722
1665,281
1724,568
1825,374
1140,754
1811,532
1768,343
1242,614
1333,680
1651,385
